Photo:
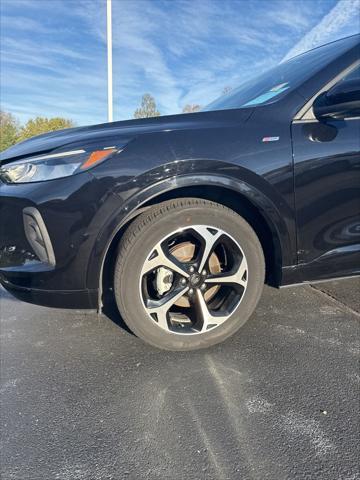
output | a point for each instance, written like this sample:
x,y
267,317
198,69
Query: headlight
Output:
x,y
55,165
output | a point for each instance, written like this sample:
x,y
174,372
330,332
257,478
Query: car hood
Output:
x,y
120,132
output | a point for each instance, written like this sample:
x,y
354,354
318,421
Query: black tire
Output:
x,y
145,232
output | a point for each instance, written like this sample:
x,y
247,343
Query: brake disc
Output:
x,y
184,252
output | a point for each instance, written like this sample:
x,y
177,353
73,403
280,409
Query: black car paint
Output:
x,y
218,149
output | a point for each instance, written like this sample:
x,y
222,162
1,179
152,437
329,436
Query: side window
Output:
x,y
353,75
347,92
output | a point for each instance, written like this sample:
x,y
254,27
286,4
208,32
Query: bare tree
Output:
x,y
191,108
148,107
226,89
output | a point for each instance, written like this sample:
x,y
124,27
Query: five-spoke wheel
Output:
x,y
193,279
188,274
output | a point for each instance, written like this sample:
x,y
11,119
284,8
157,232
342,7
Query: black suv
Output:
x,y
184,217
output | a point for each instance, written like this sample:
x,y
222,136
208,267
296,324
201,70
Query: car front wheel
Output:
x,y
188,274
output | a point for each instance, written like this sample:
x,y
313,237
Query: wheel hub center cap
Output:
x,y
195,280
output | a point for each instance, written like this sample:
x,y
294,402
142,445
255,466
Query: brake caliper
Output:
x,y
163,280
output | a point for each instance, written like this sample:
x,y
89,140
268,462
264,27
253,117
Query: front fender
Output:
x,y
257,190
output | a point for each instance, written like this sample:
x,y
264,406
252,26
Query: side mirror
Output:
x,y
341,101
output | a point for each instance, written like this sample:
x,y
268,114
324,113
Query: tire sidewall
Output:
x,y
127,275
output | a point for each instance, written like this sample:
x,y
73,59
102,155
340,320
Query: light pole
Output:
x,y
109,60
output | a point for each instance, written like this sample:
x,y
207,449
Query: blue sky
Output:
x,y
53,52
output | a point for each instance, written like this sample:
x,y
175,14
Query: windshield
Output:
x,y
275,83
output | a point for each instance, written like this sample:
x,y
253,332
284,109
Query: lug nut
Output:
x,y
191,291
203,272
183,281
203,286
191,269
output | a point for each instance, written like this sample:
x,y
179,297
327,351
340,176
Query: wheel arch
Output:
x,y
240,204
257,209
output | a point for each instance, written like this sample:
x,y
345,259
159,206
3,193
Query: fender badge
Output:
x,y
270,139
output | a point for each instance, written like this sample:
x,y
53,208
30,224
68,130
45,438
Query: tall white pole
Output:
x,y
109,59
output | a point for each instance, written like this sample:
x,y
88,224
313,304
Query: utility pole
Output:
x,y
109,60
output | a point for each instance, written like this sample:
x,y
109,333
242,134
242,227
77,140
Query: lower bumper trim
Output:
x,y
81,299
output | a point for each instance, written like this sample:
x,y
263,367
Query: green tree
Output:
x,y
9,130
148,107
191,108
40,125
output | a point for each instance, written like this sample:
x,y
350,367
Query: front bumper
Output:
x,y
72,210
82,299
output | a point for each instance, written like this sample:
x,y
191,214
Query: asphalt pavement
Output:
x,y
84,399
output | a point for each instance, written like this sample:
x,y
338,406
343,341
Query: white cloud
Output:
x,y
342,20
182,51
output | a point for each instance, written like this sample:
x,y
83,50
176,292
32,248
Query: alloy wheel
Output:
x,y
193,280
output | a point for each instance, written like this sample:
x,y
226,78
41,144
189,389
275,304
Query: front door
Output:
x,y
327,193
